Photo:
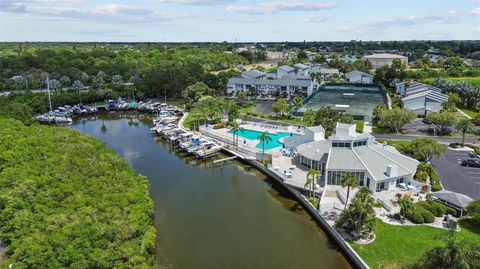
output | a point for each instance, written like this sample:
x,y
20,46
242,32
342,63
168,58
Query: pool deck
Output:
x,y
291,175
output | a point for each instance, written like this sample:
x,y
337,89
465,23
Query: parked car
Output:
x,y
470,163
473,155
426,121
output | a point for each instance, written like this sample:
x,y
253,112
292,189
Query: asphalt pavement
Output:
x,y
457,178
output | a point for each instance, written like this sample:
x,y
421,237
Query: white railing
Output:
x,y
385,204
245,149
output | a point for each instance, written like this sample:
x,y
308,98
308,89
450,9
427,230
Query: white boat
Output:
x,y
208,150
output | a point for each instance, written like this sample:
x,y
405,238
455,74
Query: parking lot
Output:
x,y
454,177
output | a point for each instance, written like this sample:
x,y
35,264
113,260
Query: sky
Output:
x,y
238,20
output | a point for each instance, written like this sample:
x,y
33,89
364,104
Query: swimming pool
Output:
x,y
252,135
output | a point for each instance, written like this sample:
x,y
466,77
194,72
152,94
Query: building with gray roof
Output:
x,y
456,200
376,166
420,98
286,85
359,77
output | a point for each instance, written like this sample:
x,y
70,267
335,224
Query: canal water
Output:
x,y
215,216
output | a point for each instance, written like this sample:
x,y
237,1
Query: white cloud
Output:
x,y
316,18
476,11
105,13
476,30
272,7
450,16
197,2
246,10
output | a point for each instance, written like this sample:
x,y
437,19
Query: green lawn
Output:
x,y
188,121
395,143
396,246
470,112
472,80
360,124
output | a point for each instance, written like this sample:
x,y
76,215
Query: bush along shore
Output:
x,y
68,201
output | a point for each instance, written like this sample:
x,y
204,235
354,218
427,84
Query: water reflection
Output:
x,y
225,215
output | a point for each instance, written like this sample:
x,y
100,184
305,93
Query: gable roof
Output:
x,y
286,68
430,94
356,72
301,66
299,81
254,73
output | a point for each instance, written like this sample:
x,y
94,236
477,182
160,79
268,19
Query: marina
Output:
x,y
214,215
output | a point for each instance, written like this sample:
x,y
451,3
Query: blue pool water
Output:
x,y
252,135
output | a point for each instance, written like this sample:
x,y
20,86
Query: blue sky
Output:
x,y
238,20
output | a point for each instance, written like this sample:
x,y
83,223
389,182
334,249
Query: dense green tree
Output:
x,y
281,107
463,126
329,117
297,102
451,104
68,201
473,210
395,118
443,120
194,92
309,117
424,149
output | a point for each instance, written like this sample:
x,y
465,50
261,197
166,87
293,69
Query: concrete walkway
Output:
x,y
464,114
367,127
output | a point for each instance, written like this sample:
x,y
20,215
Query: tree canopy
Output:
x,y
68,201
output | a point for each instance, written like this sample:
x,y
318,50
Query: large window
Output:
x,y
335,177
359,143
313,164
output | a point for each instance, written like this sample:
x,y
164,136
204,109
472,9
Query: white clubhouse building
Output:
x,y
376,166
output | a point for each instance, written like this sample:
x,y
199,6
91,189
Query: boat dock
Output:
x,y
224,159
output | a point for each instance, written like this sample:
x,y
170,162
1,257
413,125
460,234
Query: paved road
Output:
x,y
440,139
454,177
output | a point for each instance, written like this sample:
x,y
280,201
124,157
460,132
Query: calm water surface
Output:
x,y
224,216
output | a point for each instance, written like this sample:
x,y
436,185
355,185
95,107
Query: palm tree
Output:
x,y
264,137
359,216
349,181
235,130
312,176
405,203
464,125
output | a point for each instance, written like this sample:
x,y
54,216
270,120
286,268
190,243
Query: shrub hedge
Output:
x,y
420,215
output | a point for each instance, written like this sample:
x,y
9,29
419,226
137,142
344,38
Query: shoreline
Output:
x,y
350,254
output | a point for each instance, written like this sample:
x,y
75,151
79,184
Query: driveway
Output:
x,y
454,177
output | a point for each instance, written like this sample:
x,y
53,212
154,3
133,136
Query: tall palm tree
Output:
x,y
349,181
464,125
360,215
264,137
236,128
312,176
